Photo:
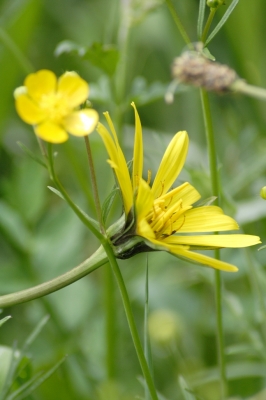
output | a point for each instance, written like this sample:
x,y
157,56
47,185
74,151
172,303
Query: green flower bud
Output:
x,y
215,3
263,193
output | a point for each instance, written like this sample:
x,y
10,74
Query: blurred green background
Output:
x,y
41,238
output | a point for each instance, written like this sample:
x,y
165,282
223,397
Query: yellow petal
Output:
x,y
207,219
73,88
230,241
171,164
29,111
81,123
186,192
119,164
143,229
138,151
144,200
202,259
51,132
40,83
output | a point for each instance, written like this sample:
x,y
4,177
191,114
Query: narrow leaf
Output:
x,y
31,154
202,6
222,21
3,320
186,392
59,194
108,202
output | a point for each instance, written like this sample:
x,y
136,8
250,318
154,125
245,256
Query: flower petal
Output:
x,y
119,164
73,88
207,219
144,200
230,241
81,123
51,132
29,111
40,83
138,151
171,164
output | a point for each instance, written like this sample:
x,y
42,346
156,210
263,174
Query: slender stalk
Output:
x,y
218,282
110,322
240,86
147,347
81,215
131,322
94,183
16,52
208,24
178,23
86,267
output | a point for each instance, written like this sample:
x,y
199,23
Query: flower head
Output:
x,y
157,217
51,105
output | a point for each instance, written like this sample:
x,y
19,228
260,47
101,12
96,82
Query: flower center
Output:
x,y
55,106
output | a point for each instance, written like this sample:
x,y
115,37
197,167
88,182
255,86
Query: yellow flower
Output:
x,y
51,105
161,218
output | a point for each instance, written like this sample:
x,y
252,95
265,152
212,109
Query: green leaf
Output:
x,y
222,21
3,320
102,56
202,6
59,194
26,150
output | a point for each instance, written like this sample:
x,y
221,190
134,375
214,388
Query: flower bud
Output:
x,y
263,193
193,68
215,3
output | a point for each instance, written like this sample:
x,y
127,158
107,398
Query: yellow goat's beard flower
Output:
x,y
157,217
51,105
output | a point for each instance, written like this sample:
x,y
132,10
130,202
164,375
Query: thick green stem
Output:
x,y
179,23
240,86
131,322
110,322
86,267
218,283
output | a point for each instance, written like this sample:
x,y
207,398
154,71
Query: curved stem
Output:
x,y
86,267
131,322
218,282
82,216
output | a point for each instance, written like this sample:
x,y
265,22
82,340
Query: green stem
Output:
x,y
179,23
240,86
131,322
110,312
16,52
86,267
81,215
218,282
94,183
208,24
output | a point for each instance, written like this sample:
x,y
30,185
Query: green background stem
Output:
x,y
179,23
208,24
218,282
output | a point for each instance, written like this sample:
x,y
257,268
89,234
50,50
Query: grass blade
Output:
x,y
202,6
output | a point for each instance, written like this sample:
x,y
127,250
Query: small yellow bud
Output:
x,y
263,193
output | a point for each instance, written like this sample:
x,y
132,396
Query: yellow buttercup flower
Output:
x,y
157,217
51,105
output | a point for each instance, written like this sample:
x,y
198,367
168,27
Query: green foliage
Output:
x,y
41,238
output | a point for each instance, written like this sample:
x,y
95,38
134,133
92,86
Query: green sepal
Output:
x,y
108,202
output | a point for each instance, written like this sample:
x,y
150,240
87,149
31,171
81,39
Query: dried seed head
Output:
x,y
194,68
